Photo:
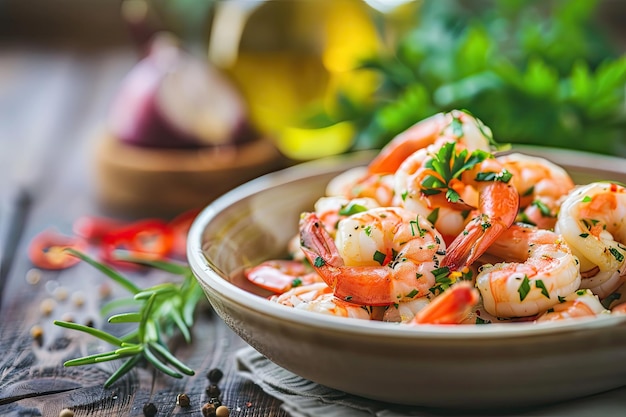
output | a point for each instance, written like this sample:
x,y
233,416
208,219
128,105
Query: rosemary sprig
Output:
x,y
161,309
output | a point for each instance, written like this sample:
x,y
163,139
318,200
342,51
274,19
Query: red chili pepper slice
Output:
x,y
94,228
180,228
47,249
149,239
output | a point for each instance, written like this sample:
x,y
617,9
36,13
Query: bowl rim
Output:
x,y
216,281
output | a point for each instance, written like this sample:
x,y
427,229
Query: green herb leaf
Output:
x,y
524,288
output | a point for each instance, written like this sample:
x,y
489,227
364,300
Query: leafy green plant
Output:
x,y
536,72
158,311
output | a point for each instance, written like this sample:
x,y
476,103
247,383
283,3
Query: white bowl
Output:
x,y
486,366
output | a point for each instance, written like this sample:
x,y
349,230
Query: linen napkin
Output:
x,y
303,398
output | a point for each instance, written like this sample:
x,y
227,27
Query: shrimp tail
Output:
x,y
499,203
358,285
317,244
451,307
418,136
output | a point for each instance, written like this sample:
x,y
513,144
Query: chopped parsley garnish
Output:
x,y
319,262
617,254
543,209
539,284
586,199
352,208
442,279
433,216
296,282
502,176
447,165
379,257
416,225
413,293
529,191
524,288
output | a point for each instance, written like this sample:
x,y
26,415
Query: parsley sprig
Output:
x,y
161,309
446,166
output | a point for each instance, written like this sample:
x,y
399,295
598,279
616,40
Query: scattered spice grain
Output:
x,y
208,410
149,410
215,375
182,400
66,412
222,411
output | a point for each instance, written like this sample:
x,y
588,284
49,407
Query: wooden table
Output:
x,y
51,105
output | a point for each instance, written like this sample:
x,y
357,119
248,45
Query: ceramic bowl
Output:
x,y
468,367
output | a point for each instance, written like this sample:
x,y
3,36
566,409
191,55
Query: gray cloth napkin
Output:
x,y
303,398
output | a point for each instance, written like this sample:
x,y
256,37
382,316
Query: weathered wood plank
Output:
x,y
59,181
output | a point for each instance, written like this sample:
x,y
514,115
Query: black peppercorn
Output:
x,y
208,410
213,391
149,410
215,375
182,400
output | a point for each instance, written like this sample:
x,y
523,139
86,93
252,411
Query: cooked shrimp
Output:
x,y
382,256
318,297
455,126
358,182
581,303
539,269
332,209
542,186
450,186
281,275
592,221
450,307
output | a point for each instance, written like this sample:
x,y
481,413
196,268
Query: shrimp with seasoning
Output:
x,y
454,126
452,186
581,303
280,275
539,269
318,297
592,221
382,256
542,186
358,182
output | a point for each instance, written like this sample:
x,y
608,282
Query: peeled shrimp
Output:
x,y
280,275
454,126
539,269
450,196
592,221
330,210
318,297
382,256
359,182
542,186
581,303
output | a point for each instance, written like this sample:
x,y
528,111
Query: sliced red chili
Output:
x,y
180,228
47,249
94,228
149,239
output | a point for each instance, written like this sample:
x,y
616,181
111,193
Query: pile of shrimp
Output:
x,y
442,228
